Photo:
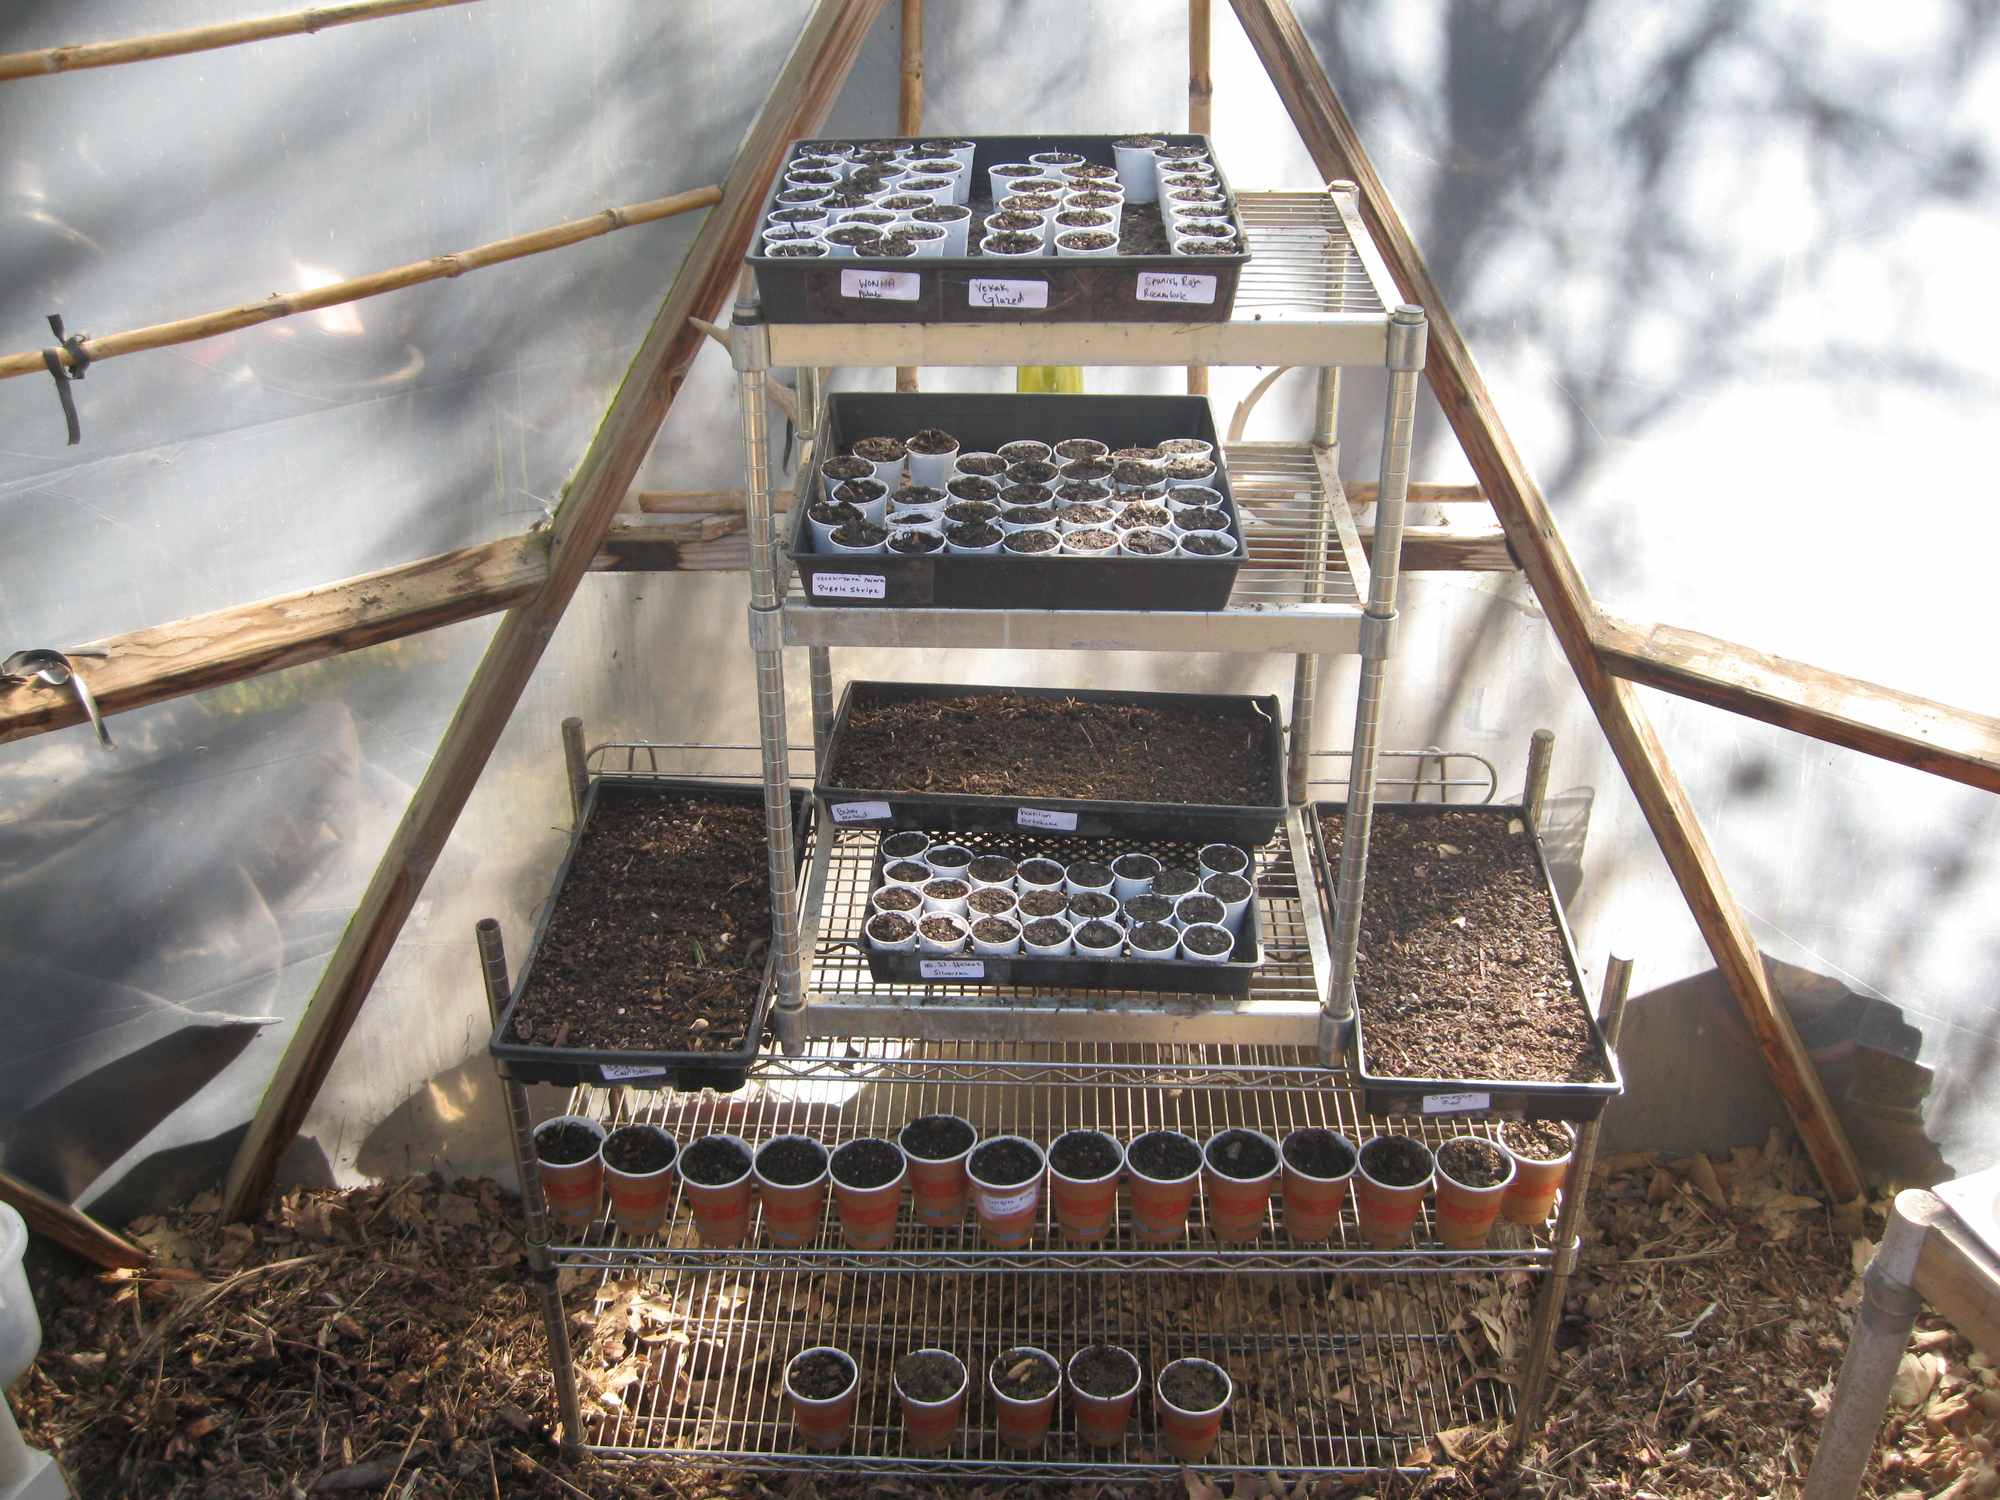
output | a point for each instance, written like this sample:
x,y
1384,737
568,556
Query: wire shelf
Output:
x,y
1303,259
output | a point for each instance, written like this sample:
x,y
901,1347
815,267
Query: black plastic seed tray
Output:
x,y
911,807
1174,976
996,581
534,1063
1383,1095
1124,288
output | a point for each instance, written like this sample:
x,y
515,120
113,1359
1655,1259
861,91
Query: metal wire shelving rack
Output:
x,y
1347,1357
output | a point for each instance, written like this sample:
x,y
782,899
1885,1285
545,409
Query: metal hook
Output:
x,y
57,669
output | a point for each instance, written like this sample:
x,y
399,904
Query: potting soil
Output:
x,y
891,927
936,1137
1104,1370
1195,1387
866,1164
1227,888
1242,1155
638,1149
1538,1140
1475,1164
1092,904
991,901
1090,872
1164,1155
1005,1163
1153,909
1084,1154
929,1377
1396,1160
1099,936
821,1375
991,867
904,845
1024,1375
1200,909
563,1143
712,1161
1318,1153
1154,937
1208,940
995,930
790,1161
939,928
1044,904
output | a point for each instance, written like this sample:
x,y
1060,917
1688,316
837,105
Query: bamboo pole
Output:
x,y
1461,392
436,268
1201,95
71,1227
796,105
133,49
910,115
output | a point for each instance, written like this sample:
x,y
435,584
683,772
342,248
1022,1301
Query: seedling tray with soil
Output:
x,y
651,961
1181,766
1176,976
1145,282
982,423
1470,997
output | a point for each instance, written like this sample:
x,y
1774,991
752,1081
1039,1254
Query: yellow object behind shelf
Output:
x,y
1049,380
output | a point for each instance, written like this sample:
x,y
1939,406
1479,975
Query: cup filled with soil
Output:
x,y
1097,938
1006,1176
915,874
868,1191
886,454
924,499
971,512
857,538
1132,875
834,472
791,1173
1198,909
1207,943
1012,244
954,219
1159,941
1047,937
933,455
981,466
1239,1171
1035,471
973,538
949,859
946,893
1142,515
1190,471
1319,1166
931,1384
1145,541
1472,1176
869,497
991,870
1103,1383
1038,875
937,1147
715,1180
1086,242
1391,1181
798,247
992,901
1164,1168
909,844
1091,906
1025,451
1542,1151
914,541
1193,497
1206,544
1151,908
1222,859
1234,892
996,937
847,241
893,931
1025,496
1042,902
941,933
1194,1394
975,490
1001,179
1089,543
1202,519
1137,174
822,1385
639,1176
569,1152
825,517
1037,542
1070,450
1087,509
904,899
1024,1381
1088,875
1084,1167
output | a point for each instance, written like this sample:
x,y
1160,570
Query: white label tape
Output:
x,y
1043,817
980,292
850,586
1456,1104
1002,1205
1175,286
952,968
897,286
618,1072
858,812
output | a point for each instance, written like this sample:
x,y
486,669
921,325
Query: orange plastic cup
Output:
x,y
1465,1214
931,1425
939,1190
1007,1211
1312,1204
721,1210
1101,1420
792,1211
824,1423
868,1215
1388,1212
1085,1206
1237,1206
1191,1435
574,1191
1022,1425
1159,1204
640,1200
1531,1197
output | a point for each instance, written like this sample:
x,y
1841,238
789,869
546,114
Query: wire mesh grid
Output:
x,y
1303,261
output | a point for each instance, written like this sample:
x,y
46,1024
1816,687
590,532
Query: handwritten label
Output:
x,y
858,812
952,968
981,292
1004,1205
1175,286
1456,1104
901,286
1043,817
850,586
619,1072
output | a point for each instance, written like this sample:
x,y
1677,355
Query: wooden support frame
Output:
x,y
1461,391
71,1227
910,110
796,105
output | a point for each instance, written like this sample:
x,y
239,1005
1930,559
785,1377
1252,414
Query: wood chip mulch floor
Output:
x,y
379,1343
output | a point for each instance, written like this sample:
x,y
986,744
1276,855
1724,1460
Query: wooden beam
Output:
x,y
133,49
71,1227
1879,721
797,105
437,268
1201,101
1503,474
910,112
205,651
1439,549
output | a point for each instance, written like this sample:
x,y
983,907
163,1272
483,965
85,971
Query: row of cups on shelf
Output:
x,y
1141,166
933,458
946,1165
823,1386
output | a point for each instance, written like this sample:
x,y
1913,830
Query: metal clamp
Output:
x,y
1408,334
767,628
1378,635
1563,1260
749,338
57,669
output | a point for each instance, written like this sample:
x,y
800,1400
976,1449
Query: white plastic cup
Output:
x,y
1136,172
1065,248
952,905
1180,919
1074,543
988,885
1052,950
992,230
1055,161
1024,883
839,251
1193,497
1215,859
888,471
934,470
1124,887
987,247
889,877
928,944
954,233
959,549
1232,911
871,509
959,468
1228,548
1000,177
1006,948
1008,528
840,548
902,945
1077,888
1110,950
822,532
962,152
1205,958
878,218
931,238
1025,450
783,234
1126,549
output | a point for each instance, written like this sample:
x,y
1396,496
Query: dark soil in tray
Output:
x,y
821,1376
932,440
1040,872
1206,544
936,1137
712,1161
1023,1375
905,845
1241,1155
1192,909
940,928
1396,1160
1208,941
1149,909
1164,1155
1089,873
996,929
1044,903
637,1149
866,1164
1462,971
564,1143
659,937
790,1162
1104,938
1538,1140
890,927
1015,745
1318,1153
1154,937
1045,932
1104,1370
1475,1164
929,1377
1228,889
1031,543
1004,1163
1173,883
992,901
1194,1387
991,867
1092,904
1084,1154
905,871
949,858
944,889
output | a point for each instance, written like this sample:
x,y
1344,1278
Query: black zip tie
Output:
x,y
64,374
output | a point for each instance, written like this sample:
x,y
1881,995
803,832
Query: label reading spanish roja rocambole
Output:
x,y
1043,817
951,968
882,286
1456,1104
615,1072
1176,286
850,586
981,292
1000,1205
858,812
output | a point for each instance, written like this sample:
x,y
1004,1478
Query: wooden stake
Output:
x,y
910,115
437,268
1337,150
71,1227
797,105
1201,96
205,38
